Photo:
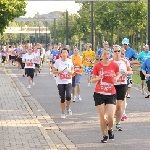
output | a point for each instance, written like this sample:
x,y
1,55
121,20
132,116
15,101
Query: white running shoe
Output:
x,y
69,112
73,99
63,115
79,98
128,96
33,83
89,84
29,86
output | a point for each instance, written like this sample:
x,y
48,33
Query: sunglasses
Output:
x,y
116,51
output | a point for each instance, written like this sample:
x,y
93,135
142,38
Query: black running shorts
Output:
x,y
142,75
121,91
104,99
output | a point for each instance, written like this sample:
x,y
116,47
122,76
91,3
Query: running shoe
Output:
x,y
118,127
69,111
79,98
111,135
104,140
29,86
63,115
128,96
147,96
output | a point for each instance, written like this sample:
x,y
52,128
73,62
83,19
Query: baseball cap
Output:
x,y
125,41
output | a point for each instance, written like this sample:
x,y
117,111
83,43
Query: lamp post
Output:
x,y
67,28
92,27
148,22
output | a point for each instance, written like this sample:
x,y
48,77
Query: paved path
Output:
x,y
82,129
19,128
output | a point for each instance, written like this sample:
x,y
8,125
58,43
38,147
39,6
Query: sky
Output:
x,y
44,7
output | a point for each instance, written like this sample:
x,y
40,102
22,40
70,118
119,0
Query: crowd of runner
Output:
x,y
109,68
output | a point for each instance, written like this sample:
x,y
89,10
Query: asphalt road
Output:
x,y
82,128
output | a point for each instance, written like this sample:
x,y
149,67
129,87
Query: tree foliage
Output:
x,y
10,9
112,21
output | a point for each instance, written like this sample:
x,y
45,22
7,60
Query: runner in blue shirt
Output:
x,y
132,57
146,72
54,53
99,51
142,56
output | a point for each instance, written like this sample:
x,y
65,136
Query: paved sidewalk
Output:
x,y
19,128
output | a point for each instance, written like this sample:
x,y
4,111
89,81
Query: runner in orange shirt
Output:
x,y
76,76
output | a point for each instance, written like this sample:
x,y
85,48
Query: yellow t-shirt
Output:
x,y
89,58
77,62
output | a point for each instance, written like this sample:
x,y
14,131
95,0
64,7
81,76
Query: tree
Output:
x,y
9,10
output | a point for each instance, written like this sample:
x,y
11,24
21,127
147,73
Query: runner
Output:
x,y
28,59
99,51
48,57
104,74
146,72
70,51
121,84
54,53
13,55
142,57
37,60
88,59
22,53
132,57
63,68
76,76
3,53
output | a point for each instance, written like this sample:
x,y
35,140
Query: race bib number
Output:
x,y
122,79
30,64
77,68
65,76
88,60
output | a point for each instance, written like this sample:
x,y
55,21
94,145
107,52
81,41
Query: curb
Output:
x,y
38,113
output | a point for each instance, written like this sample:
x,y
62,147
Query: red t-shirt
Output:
x,y
106,85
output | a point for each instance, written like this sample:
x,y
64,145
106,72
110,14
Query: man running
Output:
x,y
132,57
89,60
142,56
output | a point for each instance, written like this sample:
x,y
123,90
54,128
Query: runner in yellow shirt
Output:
x,y
88,59
76,76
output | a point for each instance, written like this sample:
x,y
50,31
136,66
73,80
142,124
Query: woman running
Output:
x,y
104,74
121,84
63,67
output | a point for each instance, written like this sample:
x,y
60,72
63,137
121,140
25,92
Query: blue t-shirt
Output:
x,y
70,53
3,52
142,56
54,53
146,67
130,54
99,51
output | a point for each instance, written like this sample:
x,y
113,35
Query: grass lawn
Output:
x,y
136,79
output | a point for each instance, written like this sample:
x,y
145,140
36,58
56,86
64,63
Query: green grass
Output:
x,y
136,79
